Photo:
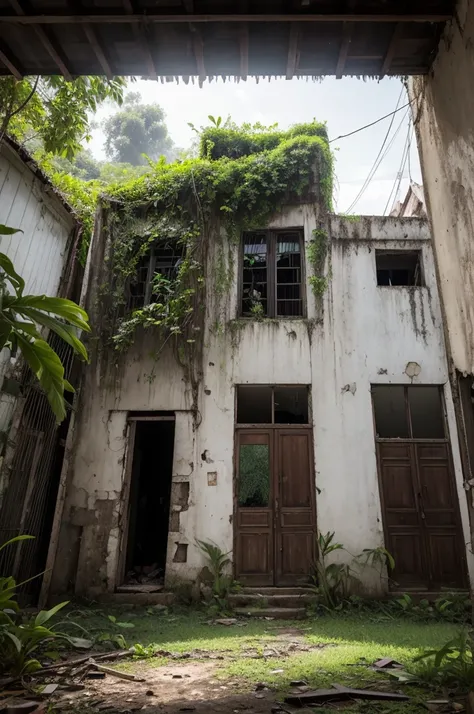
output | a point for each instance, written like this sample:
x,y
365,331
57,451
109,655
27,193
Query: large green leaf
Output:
x,y
16,280
46,365
66,332
16,539
8,230
60,307
45,615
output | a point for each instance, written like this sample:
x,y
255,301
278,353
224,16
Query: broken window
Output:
x,y
154,273
272,405
272,274
412,412
398,267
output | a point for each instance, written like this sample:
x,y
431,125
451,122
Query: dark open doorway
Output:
x,y
149,503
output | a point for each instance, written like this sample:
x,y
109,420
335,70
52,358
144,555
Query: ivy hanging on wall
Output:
x,y
239,181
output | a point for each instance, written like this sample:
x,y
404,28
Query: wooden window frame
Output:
x,y
410,437
272,424
271,238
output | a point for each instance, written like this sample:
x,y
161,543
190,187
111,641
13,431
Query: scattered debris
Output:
x,y
116,673
150,693
440,706
298,683
387,663
49,689
339,693
177,676
277,671
95,675
226,621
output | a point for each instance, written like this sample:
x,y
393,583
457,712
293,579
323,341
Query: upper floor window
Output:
x,y
398,267
154,271
272,282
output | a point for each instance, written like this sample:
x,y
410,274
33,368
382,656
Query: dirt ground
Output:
x,y
179,687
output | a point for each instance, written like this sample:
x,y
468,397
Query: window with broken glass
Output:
x,y
155,272
272,274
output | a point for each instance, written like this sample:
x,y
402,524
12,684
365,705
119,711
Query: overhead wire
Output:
x,y
373,123
398,178
379,158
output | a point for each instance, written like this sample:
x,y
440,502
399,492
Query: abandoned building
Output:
x,y
307,393
32,445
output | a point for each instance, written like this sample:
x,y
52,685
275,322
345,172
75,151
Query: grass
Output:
x,y
347,644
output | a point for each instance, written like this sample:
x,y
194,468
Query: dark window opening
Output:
x,y
272,282
291,405
412,412
154,272
398,268
149,505
272,405
254,405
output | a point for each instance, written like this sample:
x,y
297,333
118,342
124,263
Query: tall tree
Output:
x,y
137,131
54,112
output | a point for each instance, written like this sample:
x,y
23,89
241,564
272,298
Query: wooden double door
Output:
x,y
275,514
421,515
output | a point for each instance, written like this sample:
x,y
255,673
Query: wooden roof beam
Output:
x,y
198,48
10,62
142,40
397,31
292,51
170,19
99,52
347,31
244,50
47,43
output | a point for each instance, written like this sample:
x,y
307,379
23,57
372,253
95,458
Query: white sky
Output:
x,y
345,105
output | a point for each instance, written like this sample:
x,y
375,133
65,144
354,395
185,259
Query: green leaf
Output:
x,y
16,539
46,365
64,331
45,615
16,280
8,231
67,309
14,639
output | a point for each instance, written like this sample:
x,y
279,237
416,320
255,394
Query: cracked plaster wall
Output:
x,y
363,335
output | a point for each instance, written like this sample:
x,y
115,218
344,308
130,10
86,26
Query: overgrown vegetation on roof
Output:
x,y
240,180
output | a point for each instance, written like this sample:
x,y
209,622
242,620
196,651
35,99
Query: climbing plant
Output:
x,y
317,252
239,181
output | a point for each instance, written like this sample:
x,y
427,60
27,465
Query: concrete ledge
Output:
x,y
136,598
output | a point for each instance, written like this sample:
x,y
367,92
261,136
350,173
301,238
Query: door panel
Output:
x,y
254,495
421,515
295,517
275,511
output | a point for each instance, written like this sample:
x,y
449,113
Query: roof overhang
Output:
x,y
207,38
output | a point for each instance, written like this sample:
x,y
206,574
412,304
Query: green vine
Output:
x,y
317,251
238,183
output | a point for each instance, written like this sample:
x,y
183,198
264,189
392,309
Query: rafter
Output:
x,y
173,19
344,49
99,52
292,50
142,41
198,48
10,62
47,43
244,50
397,31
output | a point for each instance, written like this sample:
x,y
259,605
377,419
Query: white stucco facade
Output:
x,y
362,335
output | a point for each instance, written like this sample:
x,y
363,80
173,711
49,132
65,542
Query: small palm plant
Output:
x,y
217,564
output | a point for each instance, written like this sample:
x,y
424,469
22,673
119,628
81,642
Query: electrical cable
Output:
x,y
399,175
367,126
378,160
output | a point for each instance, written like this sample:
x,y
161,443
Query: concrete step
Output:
x,y
277,591
278,613
136,598
262,601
